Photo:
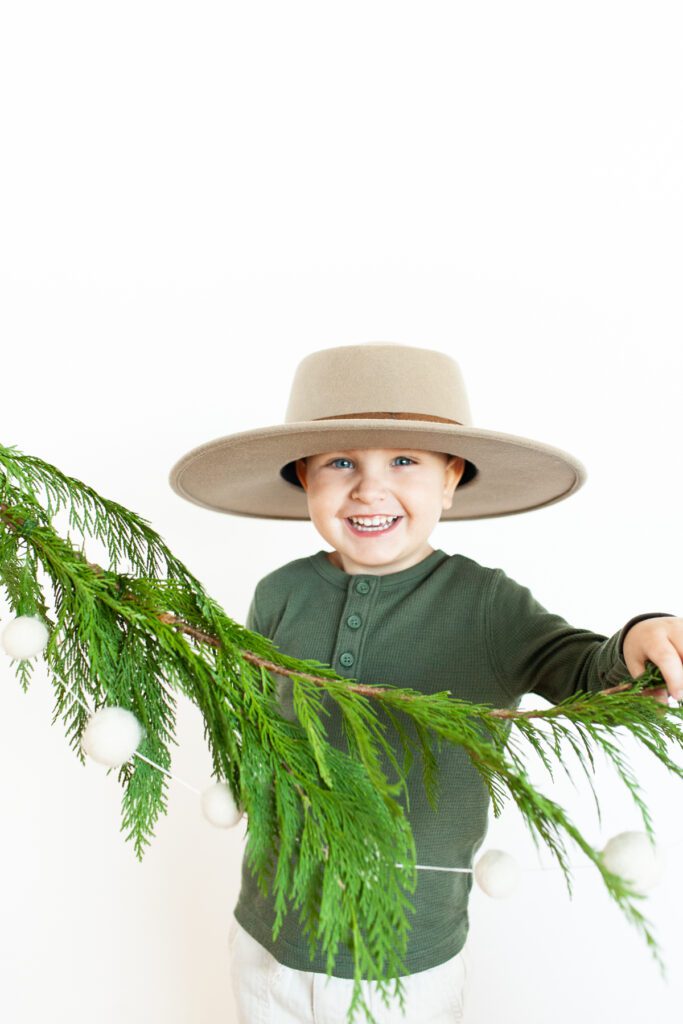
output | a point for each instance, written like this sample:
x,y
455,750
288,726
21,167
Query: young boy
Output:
x,y
366,453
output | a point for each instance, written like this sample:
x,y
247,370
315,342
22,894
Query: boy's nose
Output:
x,y
369,485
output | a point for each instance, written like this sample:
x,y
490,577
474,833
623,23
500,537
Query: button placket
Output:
x,y
353,621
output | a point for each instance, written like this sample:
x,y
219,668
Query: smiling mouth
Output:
x,y
369,531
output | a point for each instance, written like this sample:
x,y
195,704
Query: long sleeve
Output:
x,y
534,650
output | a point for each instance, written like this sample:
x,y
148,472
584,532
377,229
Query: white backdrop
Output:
x,y
194,196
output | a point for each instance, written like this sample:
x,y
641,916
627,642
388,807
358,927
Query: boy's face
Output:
x,y
414,485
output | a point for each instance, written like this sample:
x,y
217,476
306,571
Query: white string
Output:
x,y
429,867
176,778
419,867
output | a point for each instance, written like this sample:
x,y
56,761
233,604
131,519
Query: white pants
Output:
x,y
268,992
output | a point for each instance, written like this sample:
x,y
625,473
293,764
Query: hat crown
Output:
x,y
378,377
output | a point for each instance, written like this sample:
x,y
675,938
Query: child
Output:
x,y
377,448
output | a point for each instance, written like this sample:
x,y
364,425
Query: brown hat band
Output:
x,y
388,416
288,472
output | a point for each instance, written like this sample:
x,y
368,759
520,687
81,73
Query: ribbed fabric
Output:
x,y
447,623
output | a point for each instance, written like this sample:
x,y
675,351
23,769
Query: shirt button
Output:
x,y
362,586
346,659
354,621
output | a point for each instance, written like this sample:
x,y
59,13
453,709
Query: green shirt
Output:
x,y
447,623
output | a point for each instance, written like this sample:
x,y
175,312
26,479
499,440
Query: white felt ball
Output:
x,y
219,807
497,873
112,736
631,855
24,637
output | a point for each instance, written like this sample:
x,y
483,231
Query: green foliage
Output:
x,y
325,829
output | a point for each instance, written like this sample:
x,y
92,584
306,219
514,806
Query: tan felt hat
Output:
x,y
375,395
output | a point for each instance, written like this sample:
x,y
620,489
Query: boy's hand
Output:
x,y
660,641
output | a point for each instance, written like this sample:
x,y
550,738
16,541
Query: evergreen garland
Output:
x,y
325,829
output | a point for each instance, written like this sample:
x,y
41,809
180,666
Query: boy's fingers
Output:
x,y
668,660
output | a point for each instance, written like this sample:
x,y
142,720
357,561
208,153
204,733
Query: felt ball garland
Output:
x,y
219,807
497,873
112,735
25,637
632,855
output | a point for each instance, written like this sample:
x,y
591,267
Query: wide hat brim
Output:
x,y
241,474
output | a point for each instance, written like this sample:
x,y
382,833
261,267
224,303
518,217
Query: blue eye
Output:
x,y
342,459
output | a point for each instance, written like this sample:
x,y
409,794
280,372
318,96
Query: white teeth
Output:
x,y
373,524
372,521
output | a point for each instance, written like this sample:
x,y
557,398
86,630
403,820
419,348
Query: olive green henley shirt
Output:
x,y
446,623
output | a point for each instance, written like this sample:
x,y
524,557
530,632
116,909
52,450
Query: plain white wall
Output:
x,y
194,196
